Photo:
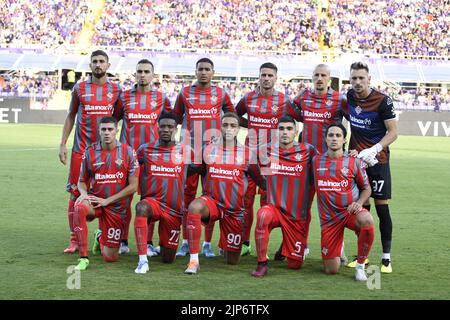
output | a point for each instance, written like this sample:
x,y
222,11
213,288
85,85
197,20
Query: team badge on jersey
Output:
x,y
298,157
153,104
358,109
109,95
325,251
275,108
178,157
119,162
213,99
74,187
344,171
329,103
239,159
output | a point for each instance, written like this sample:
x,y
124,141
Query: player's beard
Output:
x,y
99,75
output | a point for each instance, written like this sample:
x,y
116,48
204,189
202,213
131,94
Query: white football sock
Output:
x,y
386,256
142,258
194,256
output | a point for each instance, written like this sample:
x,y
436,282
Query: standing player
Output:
x,y
342,188
319,108
287,170
108,178
91,100
226,167
162,180
139,108
263,106
198,108
373,129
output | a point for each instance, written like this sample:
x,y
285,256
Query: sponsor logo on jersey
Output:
x,y
282,167
259,120
142,116
98,164
205,112
163,169
362,122
87,95
333,184
109,176
90,107
320,115
234,172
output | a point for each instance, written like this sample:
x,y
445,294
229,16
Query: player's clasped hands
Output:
x,y
354,208
98,202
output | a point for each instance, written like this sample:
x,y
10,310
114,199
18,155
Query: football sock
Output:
x,y
143,257
262,233
151,230
185,241
193,256
385,226
194,232
209,229
70,213
140,233
206,242
126,226
365,240
80,227
386,256
248,219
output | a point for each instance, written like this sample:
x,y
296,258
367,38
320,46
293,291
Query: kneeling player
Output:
x,y
108,179
162,179
342,188
287,170
225,171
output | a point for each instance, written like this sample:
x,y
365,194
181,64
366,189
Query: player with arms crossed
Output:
x,y
91,100
342,187
264,107
139,108
199,108
373,128
164,166
225,171
287,170
108,178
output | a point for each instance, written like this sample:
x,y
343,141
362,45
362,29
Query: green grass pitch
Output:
x,y
34,231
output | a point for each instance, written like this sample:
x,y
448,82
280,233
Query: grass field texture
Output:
x,y
34,232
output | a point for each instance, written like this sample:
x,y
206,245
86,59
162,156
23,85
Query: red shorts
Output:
x,y
192,185
295,233
169,225
333,236
111,226
74,173
231,227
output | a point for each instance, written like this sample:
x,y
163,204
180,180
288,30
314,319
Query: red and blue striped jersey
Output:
x,y
139,113
317,112
106,172
263,114
163,175
91,102
199,111
289,179
226,173
338,183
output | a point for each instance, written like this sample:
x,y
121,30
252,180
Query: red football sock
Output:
x,y
264,218
209,229
365,240
70,213
183,225
248,218
194,232
126,224
150,231
140,232
80,228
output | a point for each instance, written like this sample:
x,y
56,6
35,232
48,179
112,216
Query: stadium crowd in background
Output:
x,y
398,27
25,84
45,23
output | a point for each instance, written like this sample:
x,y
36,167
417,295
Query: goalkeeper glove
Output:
x,y
369,154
